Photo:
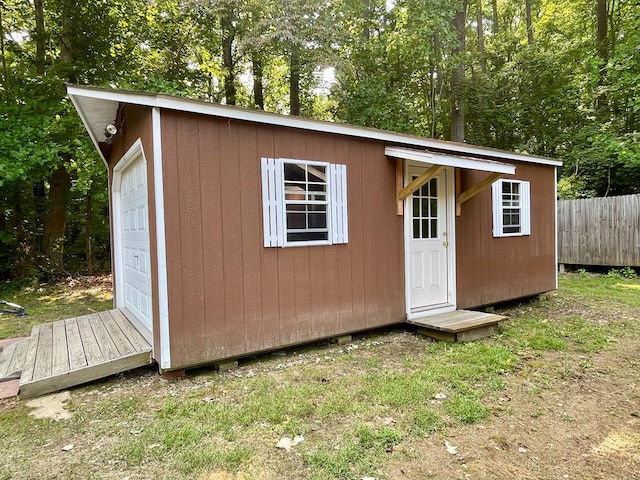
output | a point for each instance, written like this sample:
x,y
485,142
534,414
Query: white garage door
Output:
x,y
135,241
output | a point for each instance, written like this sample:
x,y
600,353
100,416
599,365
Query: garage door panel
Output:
x,y
135,241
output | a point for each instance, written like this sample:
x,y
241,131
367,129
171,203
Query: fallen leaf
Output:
x,y
451,450
286,443
67,448
440,396
523,449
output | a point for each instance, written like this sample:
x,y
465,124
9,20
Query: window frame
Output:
x,y
285,202
499,208
275,206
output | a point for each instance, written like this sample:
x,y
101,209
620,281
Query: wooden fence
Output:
x,y
599,231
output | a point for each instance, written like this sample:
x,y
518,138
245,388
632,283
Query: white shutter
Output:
x,y
525,215
496,195
338,203
272,202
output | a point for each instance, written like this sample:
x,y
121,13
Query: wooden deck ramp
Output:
x,y
458,326
70,352
12,360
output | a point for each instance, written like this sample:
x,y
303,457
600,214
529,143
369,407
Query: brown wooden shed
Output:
x,y
237,231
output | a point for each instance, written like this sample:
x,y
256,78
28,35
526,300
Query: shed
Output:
x,y
236,231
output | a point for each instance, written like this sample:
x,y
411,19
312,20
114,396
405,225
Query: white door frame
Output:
x,y
450,222
134,152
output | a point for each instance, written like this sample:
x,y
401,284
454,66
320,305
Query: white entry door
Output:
x,y
428,243
135,250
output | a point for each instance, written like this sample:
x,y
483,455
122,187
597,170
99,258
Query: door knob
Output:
x,y
445,243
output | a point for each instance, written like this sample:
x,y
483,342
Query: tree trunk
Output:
x,y
53,235
602,49
228,35
88,231
40,36
5,71
366,15
258,89
294,83
529,16
69,8
494,7
457,77
480,29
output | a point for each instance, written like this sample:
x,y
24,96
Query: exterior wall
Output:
x,y
491,270
138,124
229,295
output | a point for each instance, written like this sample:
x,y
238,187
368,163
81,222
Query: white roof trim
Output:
x,y
78,94
449,160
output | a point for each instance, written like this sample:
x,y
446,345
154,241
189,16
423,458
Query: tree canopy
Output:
x,y
557,78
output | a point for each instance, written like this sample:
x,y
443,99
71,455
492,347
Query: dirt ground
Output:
x,y
587,426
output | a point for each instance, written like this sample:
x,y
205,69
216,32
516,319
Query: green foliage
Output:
x,y
393,63
626,272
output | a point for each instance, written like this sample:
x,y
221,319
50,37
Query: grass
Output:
x,y
356,409
47,303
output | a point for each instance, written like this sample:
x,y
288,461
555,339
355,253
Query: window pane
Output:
x,y
307,236
317,174
434,228
434,187
434,207
416,229
317,220
295,171
425,229
416,207
425,207
296,221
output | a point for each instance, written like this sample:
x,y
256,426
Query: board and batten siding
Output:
x,y
492,270
135,123
228,294
600,231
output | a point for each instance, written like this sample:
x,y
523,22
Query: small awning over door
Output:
x,y
437,162
445,160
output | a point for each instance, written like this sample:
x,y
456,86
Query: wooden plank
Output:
x,y
107,346
458,190
476,333
43,361
30,358
193,205
599,231
5,360
250,209
120,340
232,268
17,359
420,181
86,374
60,352
399,183
458,321
477,188
138,342
77,358
92,351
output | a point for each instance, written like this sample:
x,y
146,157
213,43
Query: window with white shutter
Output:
x,y
304,202
511,208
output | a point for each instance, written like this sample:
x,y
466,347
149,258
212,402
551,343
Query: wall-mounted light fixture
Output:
x,y
110,131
